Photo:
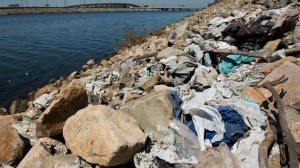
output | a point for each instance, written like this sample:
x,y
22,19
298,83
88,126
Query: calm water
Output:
x,y
36,48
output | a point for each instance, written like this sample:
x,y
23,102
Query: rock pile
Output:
x,y
219,89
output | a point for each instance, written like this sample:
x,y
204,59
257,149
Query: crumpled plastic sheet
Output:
x,y
246,150
43,101
277,55
252,16
217,21
119,94
95,85
195,50
194,40
179,73
217,31
184,151
185,141
208,45
217,91
246,75
203,76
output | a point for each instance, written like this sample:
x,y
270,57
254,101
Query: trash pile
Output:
x,y
217,89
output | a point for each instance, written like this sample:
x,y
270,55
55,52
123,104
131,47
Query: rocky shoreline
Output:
x,y
217,89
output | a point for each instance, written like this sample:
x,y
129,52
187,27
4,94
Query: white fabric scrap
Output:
x,y
43,101
207,118
246,150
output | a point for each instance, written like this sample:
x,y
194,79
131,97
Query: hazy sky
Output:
x,y
162,3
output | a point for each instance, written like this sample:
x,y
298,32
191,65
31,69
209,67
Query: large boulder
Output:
x,y
43,148
168,52
9,119
11,146
104,136
72,98
289,89
153,112
18,106
271,66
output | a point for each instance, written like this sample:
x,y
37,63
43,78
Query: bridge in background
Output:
x,y
105,5
131,6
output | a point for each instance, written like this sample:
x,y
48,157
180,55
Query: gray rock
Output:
x,y
181,29
66,161
170,51
104,136
153,112
3,111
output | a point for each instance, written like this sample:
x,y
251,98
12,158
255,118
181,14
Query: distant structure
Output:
x,y
105,5
132,6
14,5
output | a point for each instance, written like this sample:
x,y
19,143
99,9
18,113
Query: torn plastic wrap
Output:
x,y
43,101
178,146
96,85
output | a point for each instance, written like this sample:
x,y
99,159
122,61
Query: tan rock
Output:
x,y
18,106
91,62
44,90
85,67
130,96
293,118
272,46
288,40
290,89
136,51
148,83
104,63
34,157
179,44
167,52
219,157
9,119
271,66
153,112
274,162
72,98
11,146
159,88
250,92
104,136
43,148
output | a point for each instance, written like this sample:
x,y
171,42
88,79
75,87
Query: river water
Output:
x,y
35,48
